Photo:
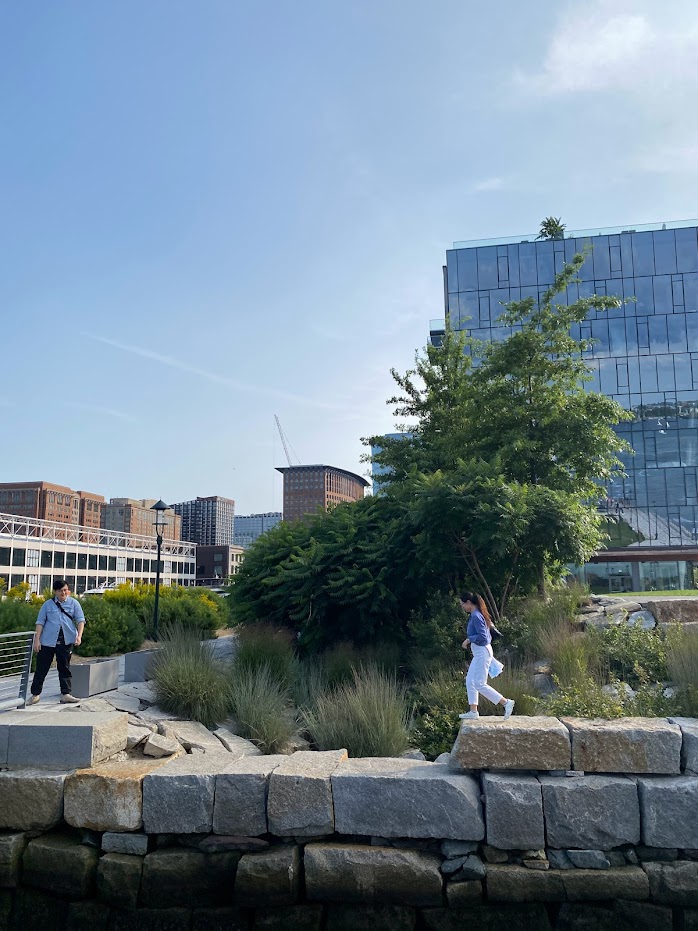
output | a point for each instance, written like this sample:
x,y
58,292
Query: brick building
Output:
x,y
46,501
309,488
134,515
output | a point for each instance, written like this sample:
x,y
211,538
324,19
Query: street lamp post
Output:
x,y
160,523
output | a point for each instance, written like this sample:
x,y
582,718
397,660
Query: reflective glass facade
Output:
x,y
645,355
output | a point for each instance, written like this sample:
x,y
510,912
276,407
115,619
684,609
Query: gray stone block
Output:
x,y
627,745
370,918
237,745
512,883
669,807
488,917
178,797
87,916
674,884
119,879
689,746
406,798
270,878
591,859
240,805
627,882
642,916
118,842
60,864
513,812
7,718
536,743
37,910
598,812
31,800
371,875
230,918
300,794
191,735
101,675
65,741
150,919
173,877
463,894
11,851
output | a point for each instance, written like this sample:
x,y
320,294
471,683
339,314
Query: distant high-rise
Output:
x,y
248,527
208,521
309,488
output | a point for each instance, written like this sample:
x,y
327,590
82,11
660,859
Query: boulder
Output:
x,y
65,741
559,860
513,811
597,812
59,864
488,917
626,882
672,610
519,743
303,917
240,805
644,619
190,734
269,878
590,859
369,918
225,918
31,800
119,879
689,746
178,796
300,794
461,895
456,848
406,798
11,851
512,883
136,736
642,916
626,745
37,910
108,797
371,875
150,919
586,918
669,807
125,843
674,884
87,915
173,877
158,746
237,745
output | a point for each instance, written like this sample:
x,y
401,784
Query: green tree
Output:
x,y
552,228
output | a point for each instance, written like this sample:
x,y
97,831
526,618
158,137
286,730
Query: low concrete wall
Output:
x,y
214,839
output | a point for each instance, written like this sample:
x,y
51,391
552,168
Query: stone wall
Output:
x,y
213,840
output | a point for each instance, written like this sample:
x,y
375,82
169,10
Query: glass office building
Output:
x,y
645,355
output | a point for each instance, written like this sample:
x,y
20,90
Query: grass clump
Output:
x,y
369,716
264,645
261,707
188,680
682,656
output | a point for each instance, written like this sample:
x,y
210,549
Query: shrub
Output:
x,y
582,699
369,716
16,616
633,654
513,682
437,631
682,656
266,645
261,707
574,656
195,608
435,732
109,628
440,698
188,680
530,616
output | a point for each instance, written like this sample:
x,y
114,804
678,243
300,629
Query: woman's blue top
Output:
x,y
478,631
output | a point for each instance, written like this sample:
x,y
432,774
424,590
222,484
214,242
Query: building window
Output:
x,y
33,583
121,564
18,556
33,558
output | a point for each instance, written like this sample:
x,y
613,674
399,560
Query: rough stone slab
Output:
x,y
136,844
60,741
87,916
535,743
681,610
591,859
269,878
512,883
119,879
628,745
689,747
669,807
590,811
136,735
514,812
235,744
108,797
190,734
370,918
140,690
158,746
31,800
230,918
174,876
406,798
93,705
300,794
372,875
121,701
153,714
301,917
673,883
627,882
240,805
150,919
37,910
11,851
642,916
463,894
59,864
489,917
178,797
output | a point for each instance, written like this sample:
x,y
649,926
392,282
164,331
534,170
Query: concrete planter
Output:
x,y
138,665
93,678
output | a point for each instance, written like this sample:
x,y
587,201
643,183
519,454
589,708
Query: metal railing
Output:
x,y
15,665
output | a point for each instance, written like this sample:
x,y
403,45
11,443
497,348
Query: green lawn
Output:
x,y
684,591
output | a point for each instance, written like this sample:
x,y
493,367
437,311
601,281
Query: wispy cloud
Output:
x,y
179,365
489,184
104,412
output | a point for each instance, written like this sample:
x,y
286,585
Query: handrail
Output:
x,y
15,666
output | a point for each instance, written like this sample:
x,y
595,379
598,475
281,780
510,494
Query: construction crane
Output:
x,y
286,444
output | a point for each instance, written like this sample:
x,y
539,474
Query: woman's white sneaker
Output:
x,y
508,707
469,715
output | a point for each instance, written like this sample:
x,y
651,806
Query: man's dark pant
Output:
x,y
62,651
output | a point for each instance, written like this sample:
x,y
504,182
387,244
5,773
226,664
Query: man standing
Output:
x,y
59,628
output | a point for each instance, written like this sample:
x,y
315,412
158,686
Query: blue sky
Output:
x,y
215,211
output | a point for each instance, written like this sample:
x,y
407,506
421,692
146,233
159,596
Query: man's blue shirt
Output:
x,y
53,619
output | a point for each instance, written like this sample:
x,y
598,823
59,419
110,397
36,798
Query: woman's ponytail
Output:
x,y
479,603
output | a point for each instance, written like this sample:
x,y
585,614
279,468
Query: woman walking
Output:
x,y
479,639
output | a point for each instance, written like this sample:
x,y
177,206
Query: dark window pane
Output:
x,y
5,555
18,556
102,561
513,254
658,334
70,560
676,328
487,268
644,293
46,559
643,254
82,560
92,561
452,270
690,292
664,252
601,257
58,560
663,297
467,270
112,564
545,263
686,250
665,373
527,263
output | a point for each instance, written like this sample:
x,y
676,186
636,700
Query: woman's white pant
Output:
x,y
476,680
